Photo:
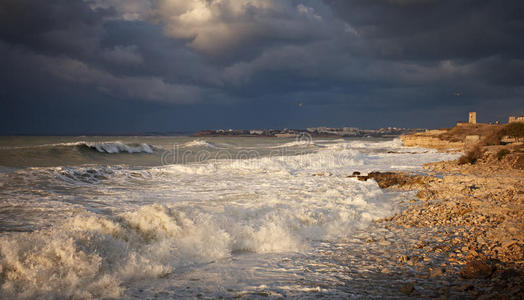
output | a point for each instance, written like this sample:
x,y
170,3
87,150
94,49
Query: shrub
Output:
x,y
514,130
492,139
471,156
502,153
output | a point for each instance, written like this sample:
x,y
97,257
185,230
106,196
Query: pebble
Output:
x,y
407,288
476,270
437,272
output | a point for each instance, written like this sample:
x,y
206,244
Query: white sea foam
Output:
x,y
118,147
299,143
83,174
362,144
115,225
88,257
200,143
103,147
92,256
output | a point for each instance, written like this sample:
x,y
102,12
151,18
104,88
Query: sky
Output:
x,y
138,66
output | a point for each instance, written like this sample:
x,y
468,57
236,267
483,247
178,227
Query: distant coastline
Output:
x,y
327,132
313,132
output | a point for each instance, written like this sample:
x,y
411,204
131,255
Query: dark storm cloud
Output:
x,y
435,30
58,27
65,40
236,62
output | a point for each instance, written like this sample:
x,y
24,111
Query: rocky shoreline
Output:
x,y
470,224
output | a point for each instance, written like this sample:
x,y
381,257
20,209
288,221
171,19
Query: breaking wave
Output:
x,y
200,143
296,144
95,240
91,256
362,144
84,174
119,147
102,147
281,164
88,257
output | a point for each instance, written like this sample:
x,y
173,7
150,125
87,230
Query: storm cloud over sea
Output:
x,y
165,65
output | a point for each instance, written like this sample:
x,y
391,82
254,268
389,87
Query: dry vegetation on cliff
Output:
x,y
513,131
495,137
459,133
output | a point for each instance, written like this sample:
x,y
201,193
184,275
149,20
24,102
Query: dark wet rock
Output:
x,y
362,178
463,287
387,179
407,288
477,270
510,274
424,194
473,187
356,173
436,272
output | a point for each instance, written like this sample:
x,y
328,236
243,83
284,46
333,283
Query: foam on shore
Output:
x,y
96,229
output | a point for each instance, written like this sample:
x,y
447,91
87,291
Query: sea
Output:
x,y
157,217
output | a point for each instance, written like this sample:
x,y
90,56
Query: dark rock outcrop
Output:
x,y
476,270
387,179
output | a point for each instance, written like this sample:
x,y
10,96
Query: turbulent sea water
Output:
x,y
168,217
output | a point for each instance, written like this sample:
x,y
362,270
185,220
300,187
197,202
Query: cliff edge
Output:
x,y
457,138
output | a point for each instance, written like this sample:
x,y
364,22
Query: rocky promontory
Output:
x,y
469,214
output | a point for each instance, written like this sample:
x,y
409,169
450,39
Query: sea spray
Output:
x,y
98,229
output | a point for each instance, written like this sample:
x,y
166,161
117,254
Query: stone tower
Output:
x,y
472,118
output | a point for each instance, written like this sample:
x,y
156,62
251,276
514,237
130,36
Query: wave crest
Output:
x,y
119,147
85,258
84,174
200,143
103,147
298,143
